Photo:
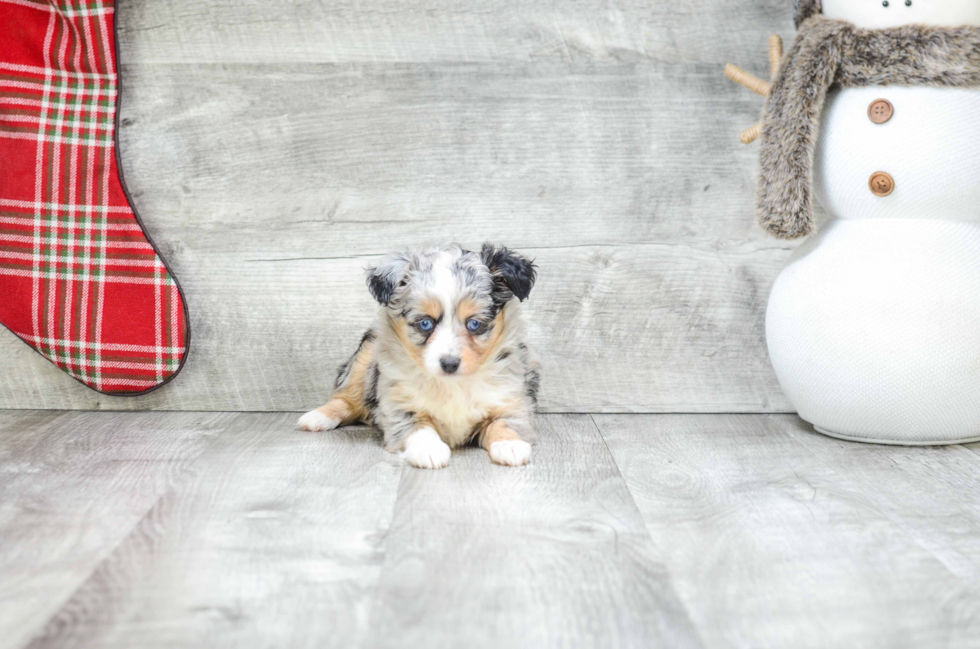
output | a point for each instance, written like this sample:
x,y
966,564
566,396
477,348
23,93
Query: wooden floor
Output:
x,y
209,529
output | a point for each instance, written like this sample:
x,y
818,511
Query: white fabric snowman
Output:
x,y
873,327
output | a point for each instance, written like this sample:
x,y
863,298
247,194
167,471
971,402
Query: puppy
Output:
x,y
445,364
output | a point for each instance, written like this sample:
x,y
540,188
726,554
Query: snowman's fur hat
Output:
x,y
805,9
830,53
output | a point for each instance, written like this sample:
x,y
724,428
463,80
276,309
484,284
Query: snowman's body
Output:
x,y
874,325
930,146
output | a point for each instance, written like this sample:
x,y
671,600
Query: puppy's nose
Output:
x,y
449,364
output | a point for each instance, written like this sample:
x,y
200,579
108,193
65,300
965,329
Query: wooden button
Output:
x,y
880,111
881,183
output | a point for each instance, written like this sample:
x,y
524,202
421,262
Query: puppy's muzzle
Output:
x,y
449,364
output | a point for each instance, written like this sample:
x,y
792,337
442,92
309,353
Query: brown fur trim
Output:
x,y
804,9
827,53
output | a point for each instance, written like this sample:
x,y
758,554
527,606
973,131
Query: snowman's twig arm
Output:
x,y
757,85
750,81
775,55
750,135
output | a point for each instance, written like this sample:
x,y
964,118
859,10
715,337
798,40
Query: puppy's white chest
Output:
x,y
458,406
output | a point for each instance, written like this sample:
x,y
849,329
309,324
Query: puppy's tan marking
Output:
x,y
339,409
432,307
347,404
497,431
475,353
466,309
400,327
423,420
499,334
505,446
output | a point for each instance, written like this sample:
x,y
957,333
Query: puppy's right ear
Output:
x,y
513,274
386,278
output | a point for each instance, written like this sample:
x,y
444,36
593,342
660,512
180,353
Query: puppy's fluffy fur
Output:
x,y
445,363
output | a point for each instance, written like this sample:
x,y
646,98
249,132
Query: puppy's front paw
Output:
x,y
510,452
315,421
426,450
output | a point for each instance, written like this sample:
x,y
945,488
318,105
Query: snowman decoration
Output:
x,y
873,326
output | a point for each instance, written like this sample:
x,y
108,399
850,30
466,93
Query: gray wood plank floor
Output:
x,y
223,530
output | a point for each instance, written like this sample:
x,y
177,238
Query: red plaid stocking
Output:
x,y
79,280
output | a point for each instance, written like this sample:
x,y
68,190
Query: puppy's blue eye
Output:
x,y
473,325
425,324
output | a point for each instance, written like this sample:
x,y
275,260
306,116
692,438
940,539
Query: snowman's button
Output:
x,y
880,111
881,183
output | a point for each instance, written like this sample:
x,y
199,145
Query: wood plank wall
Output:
x,y
275,148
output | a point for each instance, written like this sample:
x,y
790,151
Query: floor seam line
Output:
x,y
42,628
864,487
375,590
646,530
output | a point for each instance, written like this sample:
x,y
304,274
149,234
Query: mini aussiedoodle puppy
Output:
x,y
445,364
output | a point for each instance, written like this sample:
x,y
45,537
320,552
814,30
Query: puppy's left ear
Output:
x,y
513,275
385,280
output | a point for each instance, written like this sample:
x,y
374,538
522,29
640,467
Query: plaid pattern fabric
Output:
x,y
79,280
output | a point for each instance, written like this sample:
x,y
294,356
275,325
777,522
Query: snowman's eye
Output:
x,y
908,3
885,4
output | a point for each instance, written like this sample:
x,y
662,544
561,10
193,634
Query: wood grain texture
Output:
x,y
933,496
272,158
196,529
428,31
551,555
72,487
776,536
599,349
275,539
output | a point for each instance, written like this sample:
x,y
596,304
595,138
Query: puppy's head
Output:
x,y
446,307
